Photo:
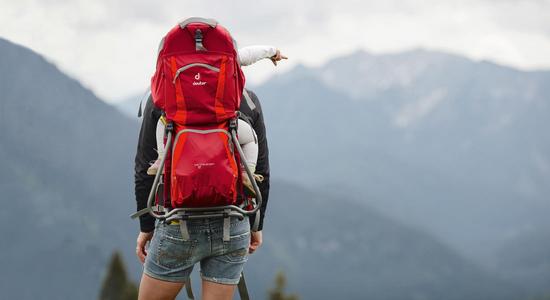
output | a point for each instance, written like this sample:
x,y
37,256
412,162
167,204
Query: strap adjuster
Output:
x,y
198,41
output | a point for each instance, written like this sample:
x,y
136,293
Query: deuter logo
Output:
x,y
201,165
198,80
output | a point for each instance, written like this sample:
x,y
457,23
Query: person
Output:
x,y
168,259
247,137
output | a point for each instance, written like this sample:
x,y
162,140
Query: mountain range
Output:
x,y
68,177
456,147
66,184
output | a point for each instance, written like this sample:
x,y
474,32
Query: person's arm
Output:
x,y
145,154
262,165
252,54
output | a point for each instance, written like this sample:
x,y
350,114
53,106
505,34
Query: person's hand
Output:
x,y
142,240
277,57
255,241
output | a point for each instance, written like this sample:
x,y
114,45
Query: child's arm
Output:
x,y
252,54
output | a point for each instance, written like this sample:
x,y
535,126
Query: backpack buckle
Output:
x,y
233,123
198,41
169,127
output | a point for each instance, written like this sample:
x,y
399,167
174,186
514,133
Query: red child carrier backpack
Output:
x,y
198,84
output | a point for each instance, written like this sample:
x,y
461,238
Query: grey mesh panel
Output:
x,y
211,22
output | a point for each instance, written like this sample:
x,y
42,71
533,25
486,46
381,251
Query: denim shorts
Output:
x,y
170,258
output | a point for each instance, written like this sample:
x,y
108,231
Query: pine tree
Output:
x,y
278,293
116,285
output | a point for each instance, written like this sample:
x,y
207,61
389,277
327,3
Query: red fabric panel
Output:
x,y
220,90
207,175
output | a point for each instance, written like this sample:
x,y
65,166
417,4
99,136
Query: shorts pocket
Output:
x,y
237,247
174,252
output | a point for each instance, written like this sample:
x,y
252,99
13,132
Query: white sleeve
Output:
x,y
252,54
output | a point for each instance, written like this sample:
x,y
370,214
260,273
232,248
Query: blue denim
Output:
x,y
170,258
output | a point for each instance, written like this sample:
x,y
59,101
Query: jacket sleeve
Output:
x,y
146,154
252,54
262,165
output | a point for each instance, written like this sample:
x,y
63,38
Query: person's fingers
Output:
x,y
141,253
277,57
253,245
141,245
255,241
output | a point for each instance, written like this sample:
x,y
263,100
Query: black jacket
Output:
x,y
146,154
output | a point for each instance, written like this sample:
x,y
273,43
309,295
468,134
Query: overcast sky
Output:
x,y
111,45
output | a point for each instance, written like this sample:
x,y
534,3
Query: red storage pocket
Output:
x,y
204,171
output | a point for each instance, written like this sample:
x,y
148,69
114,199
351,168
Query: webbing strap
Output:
x,y
198,41
256,223
229,153
220,91
243,291
183,230
140,213
249,100
227,226
180,99
189,289
154,208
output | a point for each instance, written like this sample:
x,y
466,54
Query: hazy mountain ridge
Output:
x,y
362,254
455,146
67,182
69,162
129,106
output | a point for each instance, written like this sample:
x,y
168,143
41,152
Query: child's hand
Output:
x,y
277,57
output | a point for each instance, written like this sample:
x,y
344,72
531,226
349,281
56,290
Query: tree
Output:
x,y
545,297
278,293
116,285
